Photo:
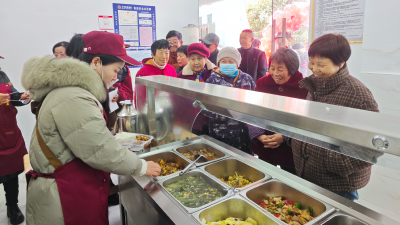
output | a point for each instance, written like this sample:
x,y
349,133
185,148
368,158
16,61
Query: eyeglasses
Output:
x,y
205,44
173,43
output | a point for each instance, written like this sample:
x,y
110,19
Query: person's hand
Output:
x,y
25,95
271,141
153,169
115,98
4,98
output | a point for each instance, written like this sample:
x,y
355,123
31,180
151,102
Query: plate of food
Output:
x,y
132,141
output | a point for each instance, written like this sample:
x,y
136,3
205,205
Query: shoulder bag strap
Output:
x,y
54,161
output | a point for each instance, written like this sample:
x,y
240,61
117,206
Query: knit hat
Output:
x,y
288,57
199,49
297,46
230,52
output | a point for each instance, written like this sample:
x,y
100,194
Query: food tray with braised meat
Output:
x,y
211,153
169,161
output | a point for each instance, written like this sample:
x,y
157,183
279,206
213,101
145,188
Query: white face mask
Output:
x,y
109,85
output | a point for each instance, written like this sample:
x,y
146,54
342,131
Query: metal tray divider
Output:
x,y
266,178
317,220
188,209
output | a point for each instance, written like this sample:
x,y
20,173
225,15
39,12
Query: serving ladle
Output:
x,y
198,158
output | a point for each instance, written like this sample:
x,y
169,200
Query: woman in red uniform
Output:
x,y
12,146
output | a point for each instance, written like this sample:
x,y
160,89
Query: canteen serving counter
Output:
x,y
168,109
145,200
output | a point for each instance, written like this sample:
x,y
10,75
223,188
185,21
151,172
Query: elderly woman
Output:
x,y
331,83
199,67
283,79
59,49
229,131
158,64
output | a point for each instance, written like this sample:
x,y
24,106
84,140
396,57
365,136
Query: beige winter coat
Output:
x,y
72,125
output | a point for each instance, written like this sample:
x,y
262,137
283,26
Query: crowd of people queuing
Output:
x,y
72,146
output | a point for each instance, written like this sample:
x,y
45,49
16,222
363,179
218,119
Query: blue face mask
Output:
x,y
229,70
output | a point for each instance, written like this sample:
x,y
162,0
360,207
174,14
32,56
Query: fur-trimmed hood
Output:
x,y
42,75
187,70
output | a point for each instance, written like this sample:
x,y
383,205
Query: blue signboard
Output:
x,y
137,24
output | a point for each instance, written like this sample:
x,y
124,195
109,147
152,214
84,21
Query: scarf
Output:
x,y
160,67
199,75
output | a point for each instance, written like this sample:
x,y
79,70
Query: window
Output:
x,y
209,19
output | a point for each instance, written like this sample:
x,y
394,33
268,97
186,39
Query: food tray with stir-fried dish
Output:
x,y
287,204
169,161
194,190
232,171
234,210
212,154
289,212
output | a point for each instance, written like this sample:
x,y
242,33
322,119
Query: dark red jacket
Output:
x,y
188,74
282,155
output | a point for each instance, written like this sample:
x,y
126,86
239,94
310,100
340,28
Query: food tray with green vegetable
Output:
x,y
194,190
287,204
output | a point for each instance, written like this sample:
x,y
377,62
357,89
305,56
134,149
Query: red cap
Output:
x,y
199,49
1,57
102,42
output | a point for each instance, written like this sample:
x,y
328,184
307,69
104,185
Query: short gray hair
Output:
x,y
288,57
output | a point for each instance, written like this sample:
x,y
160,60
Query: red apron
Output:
x,y
83,190
12,145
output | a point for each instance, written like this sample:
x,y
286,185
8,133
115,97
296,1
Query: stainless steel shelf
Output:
x,y
357,133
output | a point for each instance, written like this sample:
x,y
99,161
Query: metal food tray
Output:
x,y
167,155
275,187
228,167
342,219
235,206
196,172
201,144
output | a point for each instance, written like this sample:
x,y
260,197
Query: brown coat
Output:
x,y
328,169
173,59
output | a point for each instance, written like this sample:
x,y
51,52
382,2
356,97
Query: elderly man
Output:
x,y
211,41
254,61
175,40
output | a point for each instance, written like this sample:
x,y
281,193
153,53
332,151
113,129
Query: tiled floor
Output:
x,y
113,212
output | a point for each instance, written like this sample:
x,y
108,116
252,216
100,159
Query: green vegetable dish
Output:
x,y
194,192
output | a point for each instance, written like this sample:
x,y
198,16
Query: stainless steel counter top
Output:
x,y
179,216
